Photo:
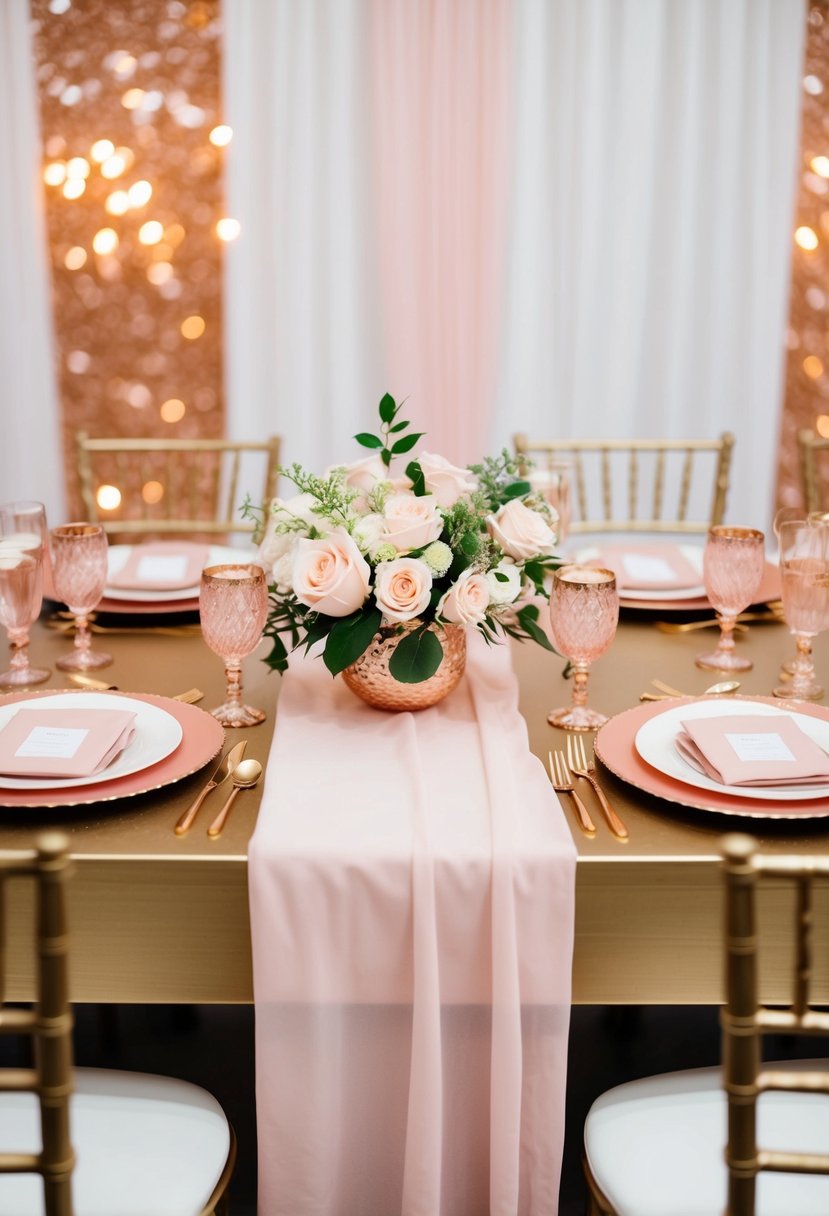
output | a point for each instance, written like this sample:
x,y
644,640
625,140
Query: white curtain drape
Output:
x,y
30,453
639,278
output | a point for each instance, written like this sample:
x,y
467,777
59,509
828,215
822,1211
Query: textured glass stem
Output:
x,y
726,642
580,673
233,675
83,638
20,649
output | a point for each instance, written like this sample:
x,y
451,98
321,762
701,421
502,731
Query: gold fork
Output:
x,y
580,766
562,781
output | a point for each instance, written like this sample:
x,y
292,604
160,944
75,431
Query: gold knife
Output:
x,y
228,763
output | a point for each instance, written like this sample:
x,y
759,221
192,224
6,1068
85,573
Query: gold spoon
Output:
x,y
244,777
722,688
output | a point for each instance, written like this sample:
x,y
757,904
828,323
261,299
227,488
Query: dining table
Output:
x,y
161,918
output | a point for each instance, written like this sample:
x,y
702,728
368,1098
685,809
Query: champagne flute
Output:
x,y
23,529
233,605
20,581
732,566
584,611
79,570
804,569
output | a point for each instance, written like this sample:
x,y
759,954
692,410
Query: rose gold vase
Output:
x,y
372,681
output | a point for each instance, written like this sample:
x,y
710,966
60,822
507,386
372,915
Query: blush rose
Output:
x,y
520,532
445,481
403,588
466,601
331,575
410,522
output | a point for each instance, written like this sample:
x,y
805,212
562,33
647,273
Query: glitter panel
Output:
x,y
133,148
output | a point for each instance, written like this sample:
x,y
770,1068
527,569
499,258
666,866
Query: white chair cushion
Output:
x,y
656,1146
145,1146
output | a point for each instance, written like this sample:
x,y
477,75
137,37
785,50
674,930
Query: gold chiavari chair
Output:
x,y
173,486
689,1142
640,485
814,470
100,1141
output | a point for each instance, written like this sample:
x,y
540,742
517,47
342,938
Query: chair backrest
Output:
x,y
48,1021
173,486
640,485
814,471
745,1020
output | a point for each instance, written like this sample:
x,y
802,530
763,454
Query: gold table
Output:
x,y
160,918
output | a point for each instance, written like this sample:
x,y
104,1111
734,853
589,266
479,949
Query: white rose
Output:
x,y
282,573
466,601
410,522
403,588
507,589
330,575
521,532
275,545
446,481
367,532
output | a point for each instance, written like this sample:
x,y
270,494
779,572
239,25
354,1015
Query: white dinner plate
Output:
x,y
217,555
654,741
692,553
157,735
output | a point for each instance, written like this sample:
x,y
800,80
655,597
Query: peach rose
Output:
x,y
402,588
363,475
466,601
521,532
445,481
410,522
331,575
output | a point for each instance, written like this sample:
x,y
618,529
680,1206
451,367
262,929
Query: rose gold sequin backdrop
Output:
x,y
129,96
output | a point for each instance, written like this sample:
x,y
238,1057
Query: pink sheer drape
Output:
x,y
441,114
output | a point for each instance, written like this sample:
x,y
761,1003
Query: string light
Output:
x,y
151,232
108,497
221,136
228,229
806,237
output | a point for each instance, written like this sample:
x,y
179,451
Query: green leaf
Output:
x,y
349,638
528,616
386,455
500,576
406,443
387,408
398,426
368,441
416,656
415,476
277,658
470,543
516,489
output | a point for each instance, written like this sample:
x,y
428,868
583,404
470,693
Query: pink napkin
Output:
x,y
750,749
63,742
163,566
411,886
657,567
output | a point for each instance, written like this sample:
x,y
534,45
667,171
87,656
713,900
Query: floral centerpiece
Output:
x,y
407,555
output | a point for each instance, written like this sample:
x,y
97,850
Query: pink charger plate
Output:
x,y
202,739
135,607
769,590
615,747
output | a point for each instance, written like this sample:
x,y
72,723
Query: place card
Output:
x,y
164,566
63,742
750,749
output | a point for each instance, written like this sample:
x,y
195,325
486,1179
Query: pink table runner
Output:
x,y
412,897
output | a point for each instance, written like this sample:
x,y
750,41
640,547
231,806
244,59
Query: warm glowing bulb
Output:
x,y
55,173
113,166
159,272
806,237
108,497
140,193
73,187
152,492
132,99
820,165
151,232
173,410
75,258
813,367
105,241
101,149
117,203
192,327
822,426
78,166
221,136
228,229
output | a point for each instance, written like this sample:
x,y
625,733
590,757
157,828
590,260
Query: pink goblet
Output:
x,y
79,571
584,611
804,569
23,530
233,604
732,567
19,589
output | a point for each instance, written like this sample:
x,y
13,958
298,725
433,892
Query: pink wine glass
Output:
x,y
732,567
20,583
79,571
233,605
584,612
804,570
23,529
